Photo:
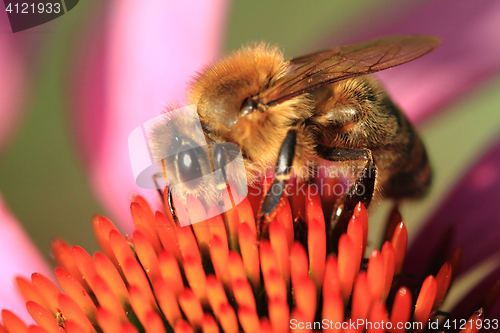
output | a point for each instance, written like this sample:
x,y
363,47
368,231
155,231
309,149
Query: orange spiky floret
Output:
x,y
204,277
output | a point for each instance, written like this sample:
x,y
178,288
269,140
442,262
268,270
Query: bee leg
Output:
x,y
360,191
170,202
171,207
283,166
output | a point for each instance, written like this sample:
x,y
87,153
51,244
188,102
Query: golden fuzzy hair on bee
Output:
x,y
260,61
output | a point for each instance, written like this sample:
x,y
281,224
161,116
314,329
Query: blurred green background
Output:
x,y
42,177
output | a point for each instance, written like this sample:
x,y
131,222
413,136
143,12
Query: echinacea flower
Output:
x,y
216,275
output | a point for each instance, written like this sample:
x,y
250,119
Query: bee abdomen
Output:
x,y
414,179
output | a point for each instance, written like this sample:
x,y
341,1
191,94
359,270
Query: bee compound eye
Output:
x,y
188,165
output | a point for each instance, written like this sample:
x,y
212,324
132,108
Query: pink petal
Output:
x,y
470,213
12,81
468,56
19,258
136,61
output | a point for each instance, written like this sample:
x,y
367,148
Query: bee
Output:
x,y
291,114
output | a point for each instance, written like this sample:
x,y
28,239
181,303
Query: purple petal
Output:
x,y
468,56
19,258
476,297
471,212
138,59
12,81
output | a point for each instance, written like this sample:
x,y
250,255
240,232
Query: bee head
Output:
x,y
229,90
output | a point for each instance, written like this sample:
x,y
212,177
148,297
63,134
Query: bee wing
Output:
x,y
312,71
